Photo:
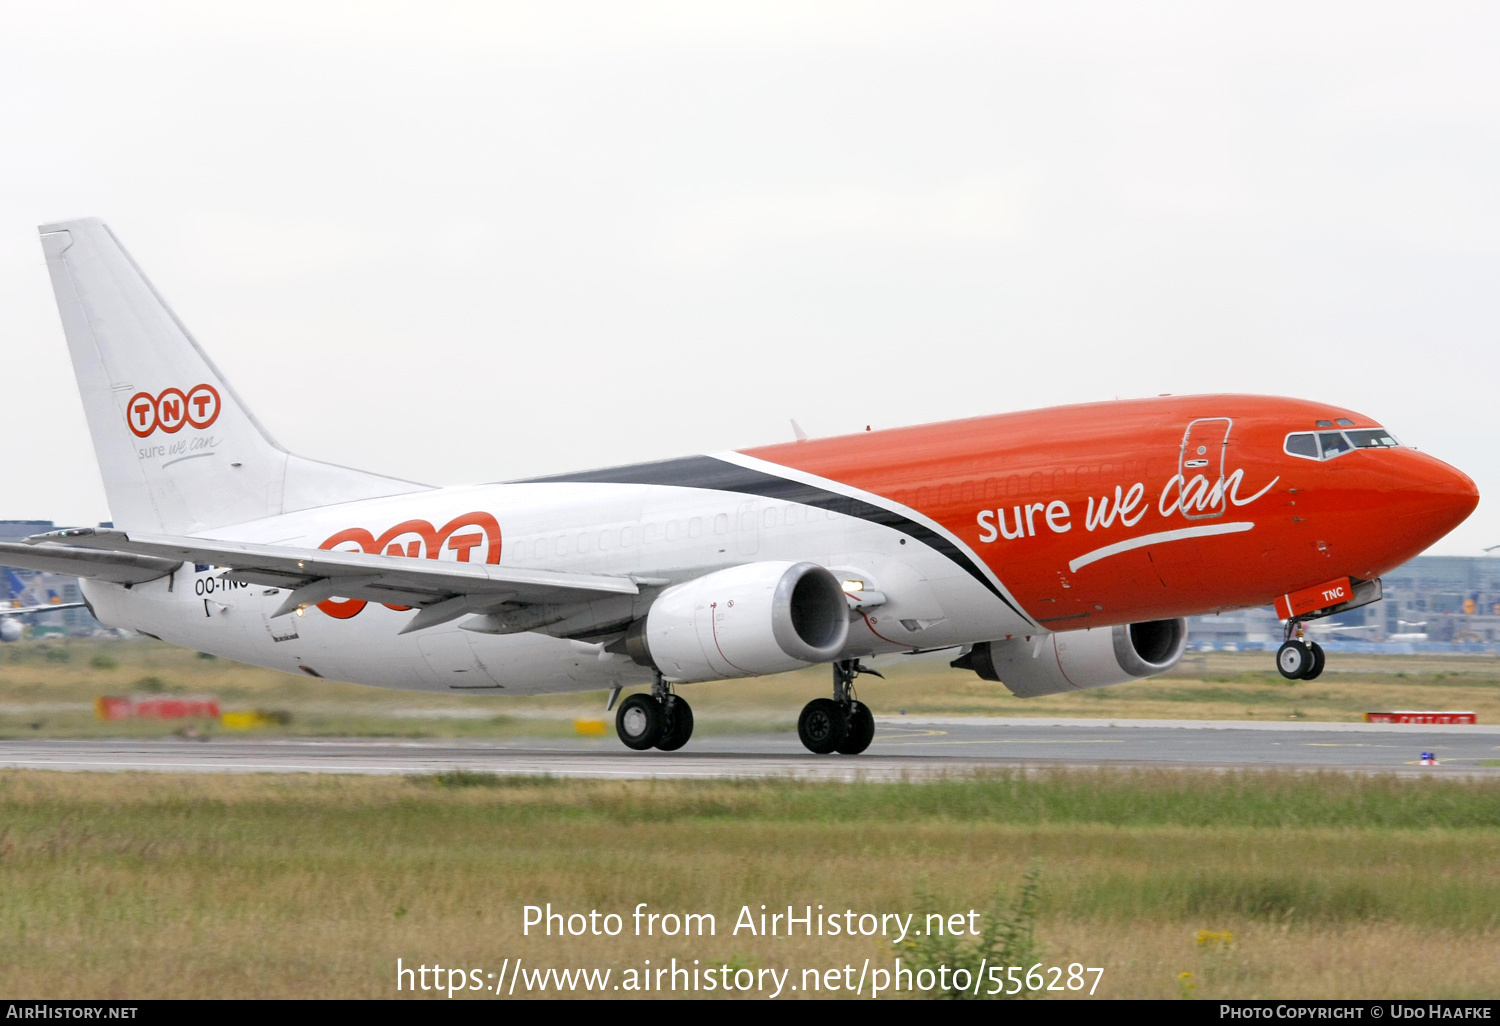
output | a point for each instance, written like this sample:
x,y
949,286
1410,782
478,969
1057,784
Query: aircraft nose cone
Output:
x,y
1433,498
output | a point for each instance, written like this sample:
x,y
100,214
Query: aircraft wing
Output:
x,y
443,590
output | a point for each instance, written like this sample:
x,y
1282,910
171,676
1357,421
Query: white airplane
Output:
x,y
717,567
10,615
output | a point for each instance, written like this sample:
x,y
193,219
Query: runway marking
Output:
x,y
1016,741
772,755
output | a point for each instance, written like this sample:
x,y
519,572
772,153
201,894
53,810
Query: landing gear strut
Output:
x,y
842,723
659,720
1298,658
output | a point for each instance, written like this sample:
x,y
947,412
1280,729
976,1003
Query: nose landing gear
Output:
x,y
1298,658
659,720
842,723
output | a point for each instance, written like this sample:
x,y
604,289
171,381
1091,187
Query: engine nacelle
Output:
x,y
1050,664
743,622
10,628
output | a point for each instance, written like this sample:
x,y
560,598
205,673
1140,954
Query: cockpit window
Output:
x,y
1375,438
1344,422
1333,443
1325,445
1325,423
1304,445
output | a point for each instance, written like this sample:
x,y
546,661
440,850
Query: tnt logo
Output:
x,y
473,537
171,409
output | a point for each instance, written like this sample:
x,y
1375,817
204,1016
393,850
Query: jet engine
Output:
x,y
10,628
742,622
1050,664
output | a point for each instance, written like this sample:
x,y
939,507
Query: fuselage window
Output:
x,y
1305,445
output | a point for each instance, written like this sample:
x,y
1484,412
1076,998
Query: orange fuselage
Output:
x,y
1145,509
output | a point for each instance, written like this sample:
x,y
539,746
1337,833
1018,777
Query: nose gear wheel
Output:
x,y
1298,658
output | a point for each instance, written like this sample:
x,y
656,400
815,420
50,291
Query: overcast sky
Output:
x,y
468,243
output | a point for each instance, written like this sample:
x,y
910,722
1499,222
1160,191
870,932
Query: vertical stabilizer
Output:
x,y
178,450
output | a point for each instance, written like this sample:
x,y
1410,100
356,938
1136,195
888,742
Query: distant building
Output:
x,y
18,530
37,586
1456,597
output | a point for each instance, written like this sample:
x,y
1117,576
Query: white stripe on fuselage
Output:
x,y
1158,538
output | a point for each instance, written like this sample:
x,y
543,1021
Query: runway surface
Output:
x,y
905,747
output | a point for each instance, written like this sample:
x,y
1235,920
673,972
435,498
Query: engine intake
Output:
x,y
1050,664
742,622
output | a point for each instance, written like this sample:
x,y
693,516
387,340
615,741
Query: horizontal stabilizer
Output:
x,y
90,564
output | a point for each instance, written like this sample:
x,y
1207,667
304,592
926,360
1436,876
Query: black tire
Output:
x,y
1316,664
861,730
639,722
1293,660
679,725
822,726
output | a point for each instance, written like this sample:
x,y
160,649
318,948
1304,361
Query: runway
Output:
x,y
904,748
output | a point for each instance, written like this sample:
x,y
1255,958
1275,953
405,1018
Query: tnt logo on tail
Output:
x,y
171,409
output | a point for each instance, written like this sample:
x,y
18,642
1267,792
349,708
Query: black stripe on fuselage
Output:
x,y
719,475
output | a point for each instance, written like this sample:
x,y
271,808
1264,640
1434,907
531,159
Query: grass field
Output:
x,y
1307,885
47,689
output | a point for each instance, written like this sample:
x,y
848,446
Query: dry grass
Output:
x,y
119,885
47,689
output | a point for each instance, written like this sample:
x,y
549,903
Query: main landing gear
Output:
x,y
842,723
1298,658
659,720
